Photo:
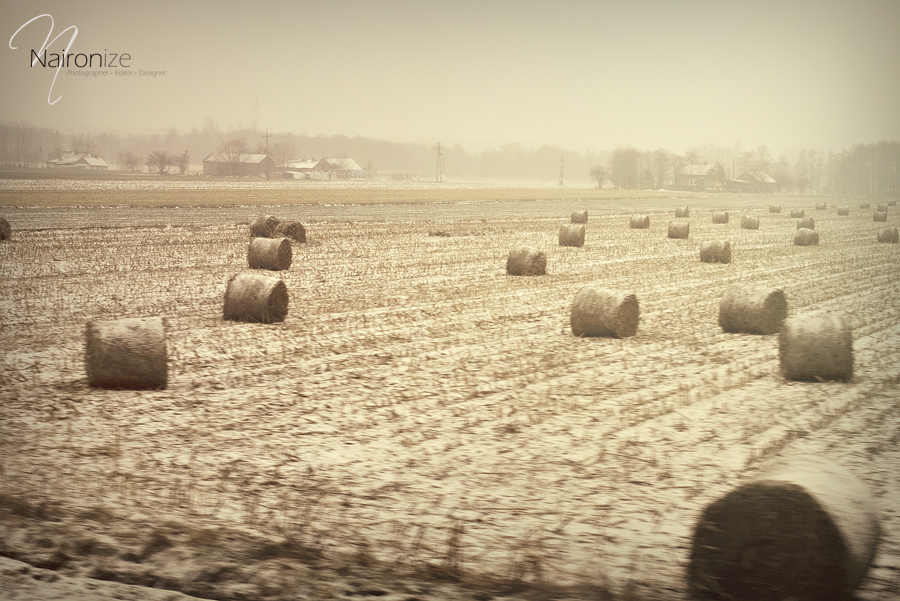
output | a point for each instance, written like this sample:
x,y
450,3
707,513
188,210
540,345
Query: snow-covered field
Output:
x,y
419,408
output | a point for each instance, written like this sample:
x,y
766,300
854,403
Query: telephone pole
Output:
x,y
267,136
439,175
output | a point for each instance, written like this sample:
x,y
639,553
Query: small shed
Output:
x,y
241,165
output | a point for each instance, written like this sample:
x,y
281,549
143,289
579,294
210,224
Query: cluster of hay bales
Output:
x,y
715,251
749,223
268,226
679,229
5,229
774,208
821,206
525,260
806,237
571,235
720,217
600,312
274,254
816,349
879,216
806,222
797,213
126,353
802,528
640,222
682,212
256,298
889,235
579,216
747,309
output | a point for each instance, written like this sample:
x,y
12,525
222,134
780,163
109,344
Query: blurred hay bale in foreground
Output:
x,y
255,297
752,310
816,349
600,312
126,353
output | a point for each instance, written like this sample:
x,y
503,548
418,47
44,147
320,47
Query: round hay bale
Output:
x,y
797,213
882,208
807,222
600,312
806,237
255,297
747,309
679,229
291,229
270,253
5,230
816,348
127,354
821,206
774,208
525,260
715,251
682,212
264,226
571,235
579,216
843,211
864,205
640,222
804,528
720,217
889,235
749,223
892,203
879,216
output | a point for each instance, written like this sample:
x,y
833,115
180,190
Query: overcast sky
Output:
x,y
581,75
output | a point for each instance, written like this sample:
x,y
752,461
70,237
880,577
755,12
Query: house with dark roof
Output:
x,y
79,160
701,177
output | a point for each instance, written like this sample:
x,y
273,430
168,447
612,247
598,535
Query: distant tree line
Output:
x,y
864,169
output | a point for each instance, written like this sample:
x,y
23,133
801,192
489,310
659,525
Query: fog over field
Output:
x,y
580,75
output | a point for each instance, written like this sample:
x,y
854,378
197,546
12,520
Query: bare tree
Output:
x,y
128,160
599,173
161,161
234,152
84,143
284,152
182,162
659,166
625,167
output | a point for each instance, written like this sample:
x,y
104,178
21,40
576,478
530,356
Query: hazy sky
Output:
x,y
581,75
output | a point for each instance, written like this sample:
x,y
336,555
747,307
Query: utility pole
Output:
x,y
267,136
439,175
562,159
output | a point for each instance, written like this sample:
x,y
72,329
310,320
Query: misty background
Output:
x,y
510,89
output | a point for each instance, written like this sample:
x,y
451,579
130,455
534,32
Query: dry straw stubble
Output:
x,y
679,229
600,312
274,254
126,353
720,217
525,260
751,309
640,222
889,235
579,216
682,212
5,229
749,223
255,297
816,348
715,251
571,235
803,528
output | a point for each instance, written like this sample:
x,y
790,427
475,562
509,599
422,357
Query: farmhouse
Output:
x,y
335,168
752,182
700,177
79,160
219,163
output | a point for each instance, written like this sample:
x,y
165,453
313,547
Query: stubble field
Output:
x,y
419,410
